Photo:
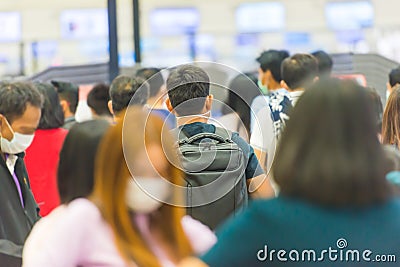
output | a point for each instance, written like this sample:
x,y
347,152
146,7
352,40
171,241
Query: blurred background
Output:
x,y
35,35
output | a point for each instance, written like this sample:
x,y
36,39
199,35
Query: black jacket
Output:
x,y
15,221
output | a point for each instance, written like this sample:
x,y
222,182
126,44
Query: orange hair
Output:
x,y
391,119
111,178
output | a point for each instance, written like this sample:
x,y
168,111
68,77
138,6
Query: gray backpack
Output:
x,y
215,175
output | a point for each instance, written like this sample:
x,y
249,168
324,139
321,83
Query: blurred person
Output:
x,y
69,96
334,196
190,101
20,110
325,63
298,72
124,223
377,107
157,96
75,180
97,100
125,91
43,154
269,79
394,80
391,119
242,91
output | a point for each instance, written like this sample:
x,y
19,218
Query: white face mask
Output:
x,y
146,194
18,144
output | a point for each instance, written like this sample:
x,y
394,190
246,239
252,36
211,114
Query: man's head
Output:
x,y
98,99
394,77
299,71
69,96
188,91
325,63
20,109
124,91
154,78
269,73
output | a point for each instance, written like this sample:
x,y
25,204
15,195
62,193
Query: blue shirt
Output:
x,y
253,167
300,228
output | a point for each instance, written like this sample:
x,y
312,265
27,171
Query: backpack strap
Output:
x,y
224,133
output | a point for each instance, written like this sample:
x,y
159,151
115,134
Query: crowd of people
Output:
x,y
302,168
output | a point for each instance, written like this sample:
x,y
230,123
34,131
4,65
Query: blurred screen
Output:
x,y
174,21
10,26
349,15
260,17
81,24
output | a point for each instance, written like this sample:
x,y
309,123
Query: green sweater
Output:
x,y
290,232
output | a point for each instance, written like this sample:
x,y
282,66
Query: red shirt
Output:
x,y
41,162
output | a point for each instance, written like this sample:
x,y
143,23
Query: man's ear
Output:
x,y
284,85
169,105
110,108
209,101
64,105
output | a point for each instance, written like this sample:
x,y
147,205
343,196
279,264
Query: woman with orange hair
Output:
x,y
127,220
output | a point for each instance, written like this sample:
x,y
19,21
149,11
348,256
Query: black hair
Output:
x,y
271,60
153,77
124,91
188,86
329,152
394,76
68,92
376,103
52,113
98,98
243,90
77,157
325,63
15,96
299,70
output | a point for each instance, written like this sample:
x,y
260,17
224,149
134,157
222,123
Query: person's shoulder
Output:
x,y
82,210
200,236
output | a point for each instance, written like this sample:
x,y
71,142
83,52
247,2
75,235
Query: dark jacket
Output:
x,y
15,221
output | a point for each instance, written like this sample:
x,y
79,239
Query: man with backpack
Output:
x,y
220,167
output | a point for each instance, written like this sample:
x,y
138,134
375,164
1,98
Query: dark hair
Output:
x,y
15,96
243,89
325,62
376,103
98,98
68,92
299,70
272,60
153,77
124,88
188,86
391,119
52,113
394,76
329,152
77,157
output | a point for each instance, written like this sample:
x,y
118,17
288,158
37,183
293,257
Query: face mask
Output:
x,y
263,88
146,194
18,144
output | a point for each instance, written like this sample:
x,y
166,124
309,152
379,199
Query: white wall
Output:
x,y
40,21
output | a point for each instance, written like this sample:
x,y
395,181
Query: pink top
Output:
x,y
77,235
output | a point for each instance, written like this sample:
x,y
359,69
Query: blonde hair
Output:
x,y
111,178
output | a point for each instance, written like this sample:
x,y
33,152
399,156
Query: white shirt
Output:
x,y
263,136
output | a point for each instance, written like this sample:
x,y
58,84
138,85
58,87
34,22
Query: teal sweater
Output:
x,y
289,232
